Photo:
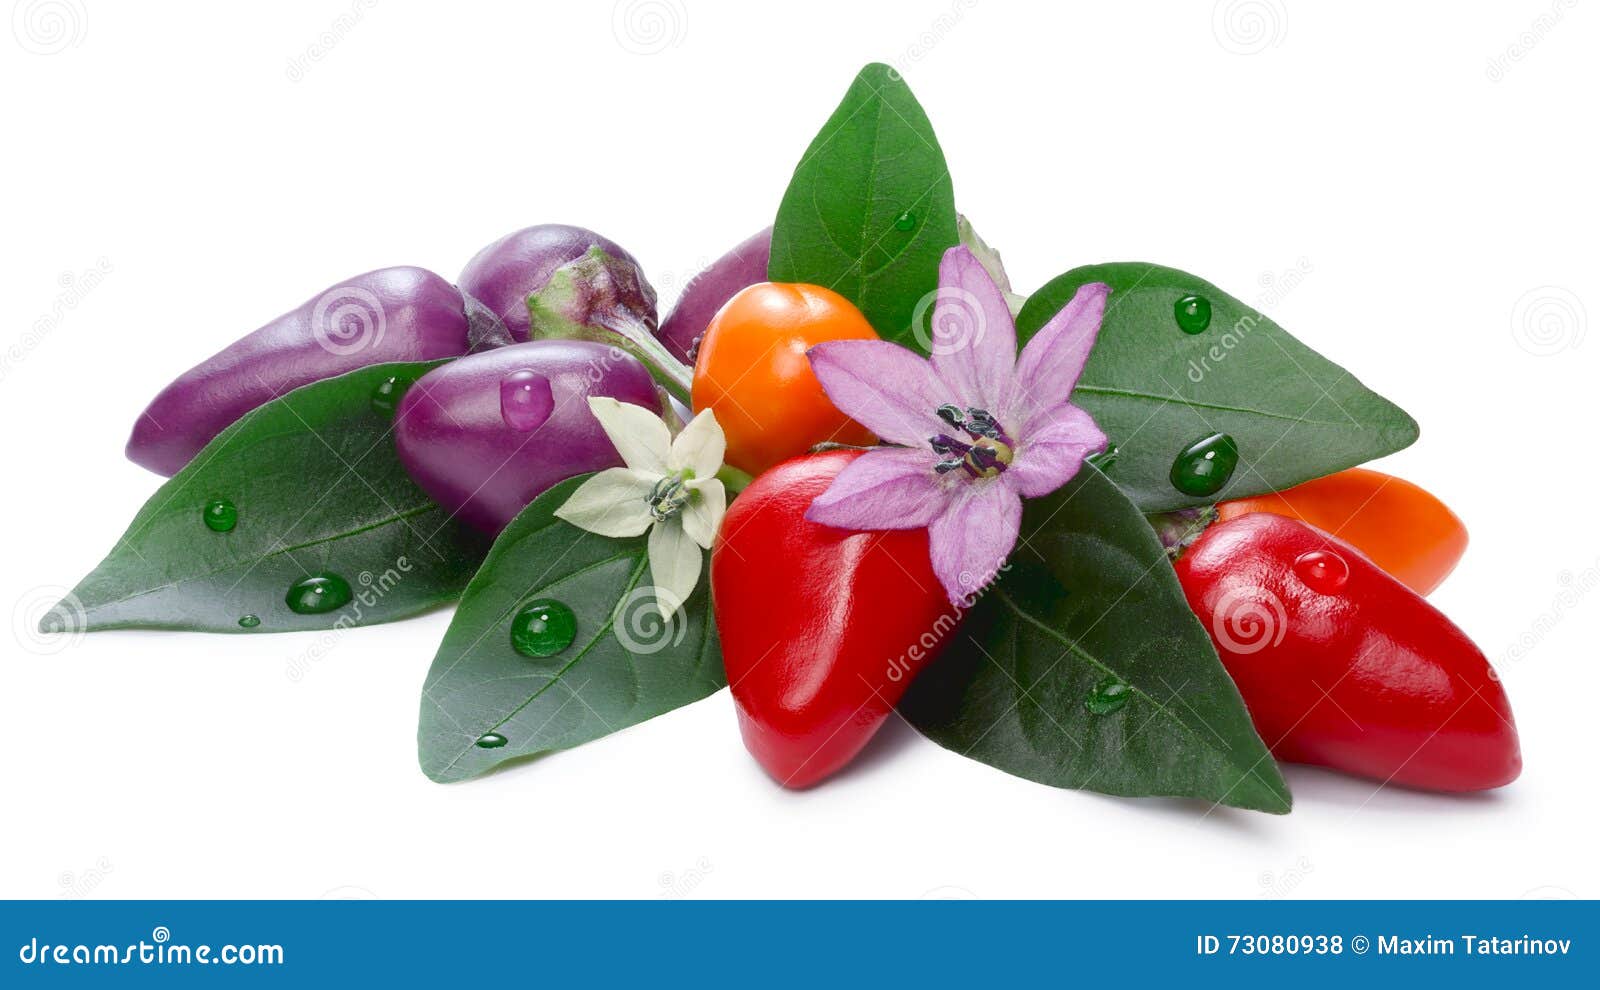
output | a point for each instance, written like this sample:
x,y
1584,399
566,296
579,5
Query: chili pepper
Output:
x,y
1343,666
1398,525
392,314
822,629
752,372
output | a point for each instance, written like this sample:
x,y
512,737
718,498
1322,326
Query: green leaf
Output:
x,y
1090,604
318,488
1155,389
485,703
870,210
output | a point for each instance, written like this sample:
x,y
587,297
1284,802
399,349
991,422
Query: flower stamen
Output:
x,y
985,457
667,497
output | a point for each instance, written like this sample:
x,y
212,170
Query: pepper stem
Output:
x,y
637,339
606,300
733,479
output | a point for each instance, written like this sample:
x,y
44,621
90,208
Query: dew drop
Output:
x,y
1323,571
1108,696
1105,458
220,515
491,740
386,395
249,621
543,628
1193,314
525,400
1203,467
905,221
317,594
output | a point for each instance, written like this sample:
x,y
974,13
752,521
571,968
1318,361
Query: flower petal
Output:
x,y
1055,446
885,387
887,488
974,340
973,536
1048,368
703,513
700,447
612,503
675,564
639,435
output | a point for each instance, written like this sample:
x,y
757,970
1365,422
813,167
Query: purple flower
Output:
x,y
976,428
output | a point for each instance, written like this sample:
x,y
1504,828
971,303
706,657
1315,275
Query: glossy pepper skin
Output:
x,y
506,272
745,264
1343,666
752,372
392,314
1400,526
822,629
458,444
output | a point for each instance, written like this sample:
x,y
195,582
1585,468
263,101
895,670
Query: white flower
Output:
x,y
669,487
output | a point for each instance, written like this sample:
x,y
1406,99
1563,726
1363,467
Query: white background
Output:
x,y
1428,170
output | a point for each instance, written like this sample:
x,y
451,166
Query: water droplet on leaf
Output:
x,y
1108,696
220,515
525,400
249,621
386,395
317,594
1105,458
543,628
905,221
1193,314
1203,467
1323,571
491,740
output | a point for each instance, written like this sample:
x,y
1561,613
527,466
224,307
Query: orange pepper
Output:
x,y
1399,526
752,372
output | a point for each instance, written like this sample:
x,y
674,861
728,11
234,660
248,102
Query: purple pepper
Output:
x,y
484,435
503,275
745,265
392,314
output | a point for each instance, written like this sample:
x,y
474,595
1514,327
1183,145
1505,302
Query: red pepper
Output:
x,y
1343,666
822,629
